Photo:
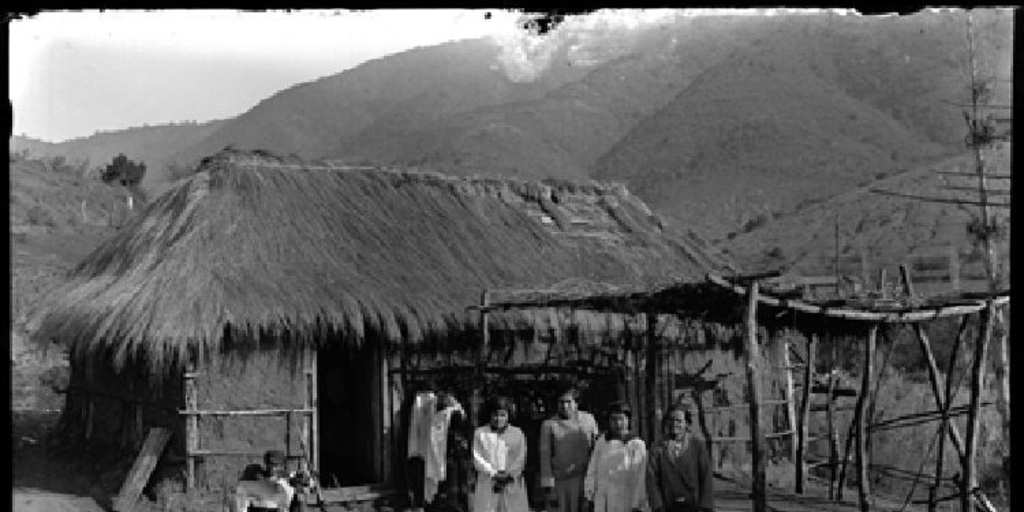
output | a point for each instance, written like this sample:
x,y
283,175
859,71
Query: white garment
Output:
x,y
436,460
265,493
493,452
419,424
616,476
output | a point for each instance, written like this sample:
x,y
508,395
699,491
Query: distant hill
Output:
x,y
149,144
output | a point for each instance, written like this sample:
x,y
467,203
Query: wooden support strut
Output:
x,y
805,409
754,386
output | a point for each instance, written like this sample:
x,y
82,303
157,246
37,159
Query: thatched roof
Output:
x,y
254,245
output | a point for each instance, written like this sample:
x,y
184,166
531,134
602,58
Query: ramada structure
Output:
x,y
266,302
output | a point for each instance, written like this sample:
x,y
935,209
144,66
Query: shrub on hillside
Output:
x,y
124,171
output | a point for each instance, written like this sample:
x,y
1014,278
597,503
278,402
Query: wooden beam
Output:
x,y
970,480
245,412
863,484
863,315
754,387
805,410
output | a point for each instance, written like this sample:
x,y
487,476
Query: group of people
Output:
x,y
584,470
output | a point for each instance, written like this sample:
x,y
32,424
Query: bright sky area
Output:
x,y
74,73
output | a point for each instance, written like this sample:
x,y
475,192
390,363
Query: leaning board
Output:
x,y
144,464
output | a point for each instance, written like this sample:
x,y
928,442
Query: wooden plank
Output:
x,y
805,409
863,485
970,480
754,387
143,467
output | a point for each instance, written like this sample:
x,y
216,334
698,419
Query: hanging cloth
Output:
x,y
436,460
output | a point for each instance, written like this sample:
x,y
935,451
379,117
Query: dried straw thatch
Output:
x,y
255,246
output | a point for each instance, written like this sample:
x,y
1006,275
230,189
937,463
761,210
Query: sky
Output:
x,y
73,73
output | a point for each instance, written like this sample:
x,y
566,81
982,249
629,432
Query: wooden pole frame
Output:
x,y
754,386
788,387
969,481
863,483
944,425
651,378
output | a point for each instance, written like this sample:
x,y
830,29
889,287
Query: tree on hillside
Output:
x,y
124,171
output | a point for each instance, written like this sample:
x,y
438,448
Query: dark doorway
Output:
x,y
346,381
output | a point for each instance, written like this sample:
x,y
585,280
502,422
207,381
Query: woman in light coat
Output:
x,y
499,456
616,475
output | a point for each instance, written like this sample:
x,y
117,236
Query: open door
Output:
x,y
348,389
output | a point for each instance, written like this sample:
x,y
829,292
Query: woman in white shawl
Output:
x,y
499,455
615,480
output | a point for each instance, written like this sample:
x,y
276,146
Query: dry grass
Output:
x,y
254,246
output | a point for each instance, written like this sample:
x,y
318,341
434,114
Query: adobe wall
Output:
x,y
244,380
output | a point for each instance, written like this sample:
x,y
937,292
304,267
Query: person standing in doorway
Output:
x,y
566,440
618,467
499,456
680,477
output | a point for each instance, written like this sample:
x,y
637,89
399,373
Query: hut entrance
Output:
x,y
348,389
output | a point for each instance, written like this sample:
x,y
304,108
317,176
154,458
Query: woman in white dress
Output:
x,y
615,480
499,456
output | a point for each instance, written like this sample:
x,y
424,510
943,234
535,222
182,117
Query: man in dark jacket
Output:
x,y
680,477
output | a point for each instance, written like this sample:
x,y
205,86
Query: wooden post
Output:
x,y
754,385
805,412
312,435
790,401
477,398
882,285
969,481
954,267
865,268
830,414
386,409
191,423
651,378
863,485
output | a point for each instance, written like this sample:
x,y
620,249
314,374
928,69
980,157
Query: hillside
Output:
x,y
720,123
410,89
817,107
56,218
888,228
